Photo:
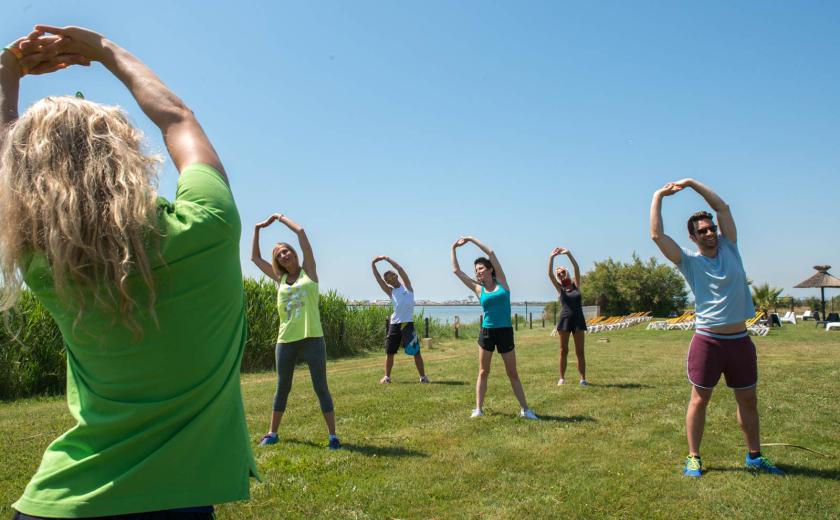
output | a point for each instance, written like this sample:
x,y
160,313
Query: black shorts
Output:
x,y
500,339
399,334
571,323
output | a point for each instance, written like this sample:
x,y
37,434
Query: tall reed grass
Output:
x,y
33,358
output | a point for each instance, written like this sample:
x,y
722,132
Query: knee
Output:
x,y
699,401
564,350
512,374
747,401
483,373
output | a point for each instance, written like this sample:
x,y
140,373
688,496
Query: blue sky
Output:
x,y
394,127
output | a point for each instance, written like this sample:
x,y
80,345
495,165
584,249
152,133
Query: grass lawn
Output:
x,y
612,450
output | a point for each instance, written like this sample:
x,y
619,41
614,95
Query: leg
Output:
x,y
315,354
389,364
747,400
510,367
695,418
285,356
418,362
564,351
484,358
579,336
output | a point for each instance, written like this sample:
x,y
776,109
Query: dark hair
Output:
x,y
389,271
487,264
700,215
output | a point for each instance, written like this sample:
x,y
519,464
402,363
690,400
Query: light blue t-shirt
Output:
x,y
719,284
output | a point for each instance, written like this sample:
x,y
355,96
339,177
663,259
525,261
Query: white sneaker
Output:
x,y
424,380
561,382
583,382
385,380
528,414
476,413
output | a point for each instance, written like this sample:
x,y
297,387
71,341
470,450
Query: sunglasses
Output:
x,y
713,228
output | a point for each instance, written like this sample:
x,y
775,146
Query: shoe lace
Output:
x,y
692,463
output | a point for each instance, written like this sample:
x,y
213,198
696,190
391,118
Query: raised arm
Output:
x,y
385,287
456,268
721,208
184,138
665,243
256,257
305,246
401,272
494,261
551,275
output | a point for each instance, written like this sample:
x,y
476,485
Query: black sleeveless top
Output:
x,y
571,317
572,306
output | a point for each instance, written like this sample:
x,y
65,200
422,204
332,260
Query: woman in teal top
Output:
x,y
300,335
147,293
491,288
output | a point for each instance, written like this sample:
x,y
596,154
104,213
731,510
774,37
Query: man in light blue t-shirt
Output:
x,y
721,344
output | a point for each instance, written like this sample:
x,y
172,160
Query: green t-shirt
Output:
x,y
297,305
160,421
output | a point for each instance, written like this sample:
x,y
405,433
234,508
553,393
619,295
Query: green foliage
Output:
x,y
766,297
622,288
32,354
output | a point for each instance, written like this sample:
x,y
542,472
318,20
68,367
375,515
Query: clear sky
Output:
x,y
394,127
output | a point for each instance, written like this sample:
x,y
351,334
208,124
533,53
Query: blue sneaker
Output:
x,y
269,439
335,444
761,464
693,467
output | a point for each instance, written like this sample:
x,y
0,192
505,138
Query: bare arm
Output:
x,y
256,257
305,246
574,267
9,90
401,272
494,261
184,138
385,287
721,208
551,275
456,268
665,243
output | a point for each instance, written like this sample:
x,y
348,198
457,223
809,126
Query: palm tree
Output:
x,y
766,298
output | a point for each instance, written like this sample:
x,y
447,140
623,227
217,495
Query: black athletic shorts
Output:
x,y
399,334
571,323
500,339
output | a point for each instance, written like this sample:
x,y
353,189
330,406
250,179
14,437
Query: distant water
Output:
x,y
471,313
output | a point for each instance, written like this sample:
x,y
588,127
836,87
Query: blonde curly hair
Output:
x,y
76,187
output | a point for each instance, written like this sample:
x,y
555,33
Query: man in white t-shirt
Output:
x,y
401,329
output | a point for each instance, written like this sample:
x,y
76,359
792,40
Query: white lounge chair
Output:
x,y
789,317
832,325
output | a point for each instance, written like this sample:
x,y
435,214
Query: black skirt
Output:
x,y
571,323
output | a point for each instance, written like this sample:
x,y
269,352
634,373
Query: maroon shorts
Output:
x,y
733,355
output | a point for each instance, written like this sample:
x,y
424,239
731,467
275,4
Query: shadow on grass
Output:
x,y
798,471
449,383
366,449
622,386
569,419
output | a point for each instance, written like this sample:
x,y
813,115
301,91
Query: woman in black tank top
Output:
x,y
572,321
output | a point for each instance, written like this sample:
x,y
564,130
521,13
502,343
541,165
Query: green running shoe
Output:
x,y
693,467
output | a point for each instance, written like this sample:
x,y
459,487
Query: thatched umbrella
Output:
x,y
822,280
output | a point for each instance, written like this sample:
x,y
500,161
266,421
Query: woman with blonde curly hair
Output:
x,y
147,293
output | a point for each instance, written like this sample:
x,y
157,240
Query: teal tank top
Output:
x,y
496,306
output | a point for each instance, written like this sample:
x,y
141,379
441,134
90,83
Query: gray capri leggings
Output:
x,y
314,352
